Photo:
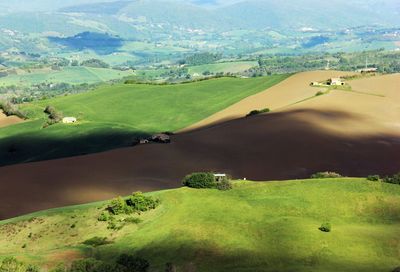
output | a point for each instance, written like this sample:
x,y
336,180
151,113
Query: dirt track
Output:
x,y
8,120
351,133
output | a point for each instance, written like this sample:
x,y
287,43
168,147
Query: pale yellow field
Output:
x,y
290,91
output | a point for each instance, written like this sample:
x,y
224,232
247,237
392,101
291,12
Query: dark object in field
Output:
x,y
326,174
325,227
161,138
256,112
373,178
397,269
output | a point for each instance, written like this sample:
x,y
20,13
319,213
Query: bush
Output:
x,y
373,177
12,265
138,202
133,264
54,115
85,265
256,112
319,93
117,206
325,175
200,180
395,179
325,227
104,216
11,109
96,241
224,185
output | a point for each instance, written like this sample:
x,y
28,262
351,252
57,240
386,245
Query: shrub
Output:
x,y
113,225
132,263
11,109
85,265
138,202
395,179
224,185
54,115
96,241
325,175
12,265
319,93
256,112
117,206
104,216
373,177
325,227
200,180
59,268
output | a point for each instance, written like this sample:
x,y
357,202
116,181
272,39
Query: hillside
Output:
x,y
114,116
254,227
334,134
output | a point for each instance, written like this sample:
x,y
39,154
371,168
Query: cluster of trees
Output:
x,y
95,63
385,61
54,116
394,179
201,58
206,180
13,265
11,109
326,174
136,203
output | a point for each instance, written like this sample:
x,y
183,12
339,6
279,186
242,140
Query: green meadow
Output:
x,y
269,226
71,75
114,115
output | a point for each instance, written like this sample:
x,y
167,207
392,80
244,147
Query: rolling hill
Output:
x,y
269,226
116,115
319,133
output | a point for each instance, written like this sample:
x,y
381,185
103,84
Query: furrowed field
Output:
x,y
254,227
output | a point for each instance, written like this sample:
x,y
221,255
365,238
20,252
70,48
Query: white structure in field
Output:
x,y
69,120
335,81
220,177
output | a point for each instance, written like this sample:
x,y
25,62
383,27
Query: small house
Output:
x,y
69,120
335,82
161,138
220,177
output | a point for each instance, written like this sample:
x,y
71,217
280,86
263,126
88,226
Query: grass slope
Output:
x,y
113,115
254,227
71,75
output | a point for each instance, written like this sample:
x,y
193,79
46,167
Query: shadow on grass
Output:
x,y
26,148
194,257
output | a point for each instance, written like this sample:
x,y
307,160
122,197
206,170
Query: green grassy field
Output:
x,y
71,75
114,115
254,227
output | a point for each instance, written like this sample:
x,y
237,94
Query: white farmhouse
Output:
x,y
69,120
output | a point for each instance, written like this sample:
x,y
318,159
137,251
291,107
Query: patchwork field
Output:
x,y
71,75
269,226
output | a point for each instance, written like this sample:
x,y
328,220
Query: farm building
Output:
x,y
368,70
335,82
161,138
220,177
69,120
